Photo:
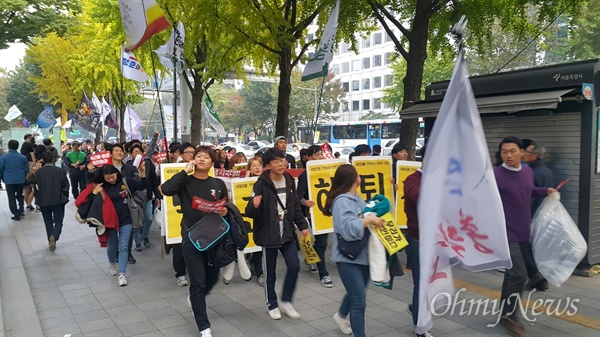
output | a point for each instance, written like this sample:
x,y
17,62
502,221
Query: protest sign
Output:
x,y
319,174
390,235
403,170
310,255
100,159
171,206
375,177
241,191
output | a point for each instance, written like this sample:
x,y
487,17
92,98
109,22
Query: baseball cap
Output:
x,y
75,142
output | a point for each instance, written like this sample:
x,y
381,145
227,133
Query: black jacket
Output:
x,y
266,216
52,186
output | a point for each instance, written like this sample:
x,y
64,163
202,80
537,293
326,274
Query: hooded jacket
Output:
x,y
347,212
266,217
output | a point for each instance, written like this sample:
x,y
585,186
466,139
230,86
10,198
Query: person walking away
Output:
x,y
109,184
76,162
27,149
275,208
412,188
314,152
187,187
13,170
52,195
515,183
346,207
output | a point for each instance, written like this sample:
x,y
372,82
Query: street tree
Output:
x,y
279,31
259,105
211,51
426,23
23,20
20,90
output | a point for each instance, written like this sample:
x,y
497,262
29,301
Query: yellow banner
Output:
x,y
375,177
170,205
390,235
319,174
403,170
241,190
310,255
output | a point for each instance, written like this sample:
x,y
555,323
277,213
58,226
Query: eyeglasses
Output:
x,y
279,161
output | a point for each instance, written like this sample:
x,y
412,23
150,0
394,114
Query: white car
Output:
x,y
387,148
344,150
245,149
257,144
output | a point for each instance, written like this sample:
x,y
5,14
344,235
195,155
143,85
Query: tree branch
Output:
x,y
302,51
379,7
386,27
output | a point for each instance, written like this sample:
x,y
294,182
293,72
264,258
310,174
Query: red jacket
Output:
x,y
109,214
412,186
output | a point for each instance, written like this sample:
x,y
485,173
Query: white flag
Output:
x,y
13,113
98,105
132,123
318,66
173,49
461,219
131,68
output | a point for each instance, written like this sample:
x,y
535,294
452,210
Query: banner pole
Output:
x,y
318,110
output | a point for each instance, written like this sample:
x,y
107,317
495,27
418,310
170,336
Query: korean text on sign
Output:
x,y
403,170
241,191
375,176
100,159
391,237
171,206
319,174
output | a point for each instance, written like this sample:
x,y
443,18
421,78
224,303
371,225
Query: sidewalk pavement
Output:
x,y
69,292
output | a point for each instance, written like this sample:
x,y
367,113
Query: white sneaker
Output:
x,y
181,281
121,280
326,282
206,333
112,270
288,309
343,324
427,334
275,313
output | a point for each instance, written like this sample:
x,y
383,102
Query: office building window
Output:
x,y
387,37
388,58
345,67
376,39
377,82
355,105
355,85
366,83
366,63
376,60
345,106
377,103
389,80
366,43
366,104
356,65
336,69
346,86
344,48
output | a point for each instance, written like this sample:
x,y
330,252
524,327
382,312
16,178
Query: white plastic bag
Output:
x,y
557,243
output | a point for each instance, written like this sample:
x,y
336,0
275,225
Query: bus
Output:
x,y
373,132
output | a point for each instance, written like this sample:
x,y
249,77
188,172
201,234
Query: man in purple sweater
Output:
x,y
515,183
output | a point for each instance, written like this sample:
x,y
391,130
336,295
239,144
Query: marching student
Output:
x,y
275,209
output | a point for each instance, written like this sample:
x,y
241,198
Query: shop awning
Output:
x,y
495,104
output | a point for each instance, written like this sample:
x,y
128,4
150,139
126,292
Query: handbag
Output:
x,y
135,205
207,231
34,165
351,249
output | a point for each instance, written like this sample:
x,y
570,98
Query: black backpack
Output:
x,y
238,227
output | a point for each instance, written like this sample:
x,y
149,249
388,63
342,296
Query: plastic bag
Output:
x,y
557,243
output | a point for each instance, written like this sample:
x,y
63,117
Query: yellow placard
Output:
x,y
319,174
375,177
241,190
390,235
170,205
310,254
239,167
403,170
172,213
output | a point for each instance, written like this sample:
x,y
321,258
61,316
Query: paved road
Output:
x,y
69,292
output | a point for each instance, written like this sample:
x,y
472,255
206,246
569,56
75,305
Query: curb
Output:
x,y
18,312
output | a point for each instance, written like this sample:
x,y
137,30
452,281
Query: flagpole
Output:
x,y
318,110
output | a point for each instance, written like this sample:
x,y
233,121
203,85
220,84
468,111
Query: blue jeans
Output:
x,y
119,240
142,232
355,278
412,252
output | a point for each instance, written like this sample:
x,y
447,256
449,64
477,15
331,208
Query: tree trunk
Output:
x,y
122,133
285,91
417,54
196,113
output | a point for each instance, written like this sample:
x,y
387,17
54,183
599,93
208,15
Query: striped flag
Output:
x,y
141,19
